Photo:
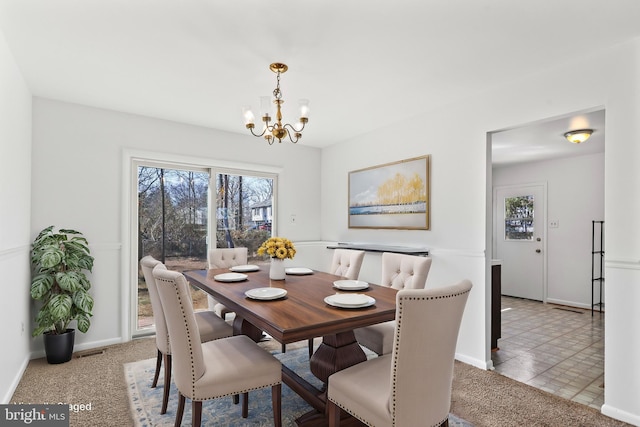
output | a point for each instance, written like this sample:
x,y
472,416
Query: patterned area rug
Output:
x,y
145,402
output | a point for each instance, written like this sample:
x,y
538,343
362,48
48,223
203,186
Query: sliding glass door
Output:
x,y
174,211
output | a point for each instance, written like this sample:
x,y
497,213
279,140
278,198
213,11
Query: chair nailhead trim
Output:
x,y
200,398
189,338
349,411
396,349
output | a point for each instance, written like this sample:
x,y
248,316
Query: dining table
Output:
x,y
305,305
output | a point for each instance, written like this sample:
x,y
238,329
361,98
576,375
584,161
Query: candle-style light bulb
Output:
x,y
265,106
249,118
304,108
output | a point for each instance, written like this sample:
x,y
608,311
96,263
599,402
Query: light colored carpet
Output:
x,y
146,402
484,398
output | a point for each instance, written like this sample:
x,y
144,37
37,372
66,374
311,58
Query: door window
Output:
x,y
518,218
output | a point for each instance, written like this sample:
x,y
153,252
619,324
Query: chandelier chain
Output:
x,y
276,92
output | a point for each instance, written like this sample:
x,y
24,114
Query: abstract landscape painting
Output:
x,y
393,195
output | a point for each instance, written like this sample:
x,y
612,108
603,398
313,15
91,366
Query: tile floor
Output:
x,y
554,348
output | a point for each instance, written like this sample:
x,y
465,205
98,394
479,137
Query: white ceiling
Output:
x,y
363,64
545,140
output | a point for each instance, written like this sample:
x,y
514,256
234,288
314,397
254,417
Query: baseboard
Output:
x,y
568,303
488,365
610,411
81,347
6,399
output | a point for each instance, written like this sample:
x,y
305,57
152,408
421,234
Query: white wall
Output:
x,y
15,211
575,197
78,167
456,138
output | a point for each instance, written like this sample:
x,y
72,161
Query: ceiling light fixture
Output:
x,y
578,136
277,130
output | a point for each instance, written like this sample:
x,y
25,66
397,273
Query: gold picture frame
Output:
x,y
393,195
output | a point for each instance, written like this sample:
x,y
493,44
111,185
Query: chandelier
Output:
x,y
277,130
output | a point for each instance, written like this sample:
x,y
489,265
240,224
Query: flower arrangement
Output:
x,y
277,247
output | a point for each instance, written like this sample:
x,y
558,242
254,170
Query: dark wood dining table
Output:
x,y
301,315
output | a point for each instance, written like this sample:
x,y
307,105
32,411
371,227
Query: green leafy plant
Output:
x,y
59,261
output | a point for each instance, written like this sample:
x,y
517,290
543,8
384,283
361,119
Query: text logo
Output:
x,y
34,415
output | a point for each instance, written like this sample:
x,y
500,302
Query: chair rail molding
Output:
x,y
622,263
11,252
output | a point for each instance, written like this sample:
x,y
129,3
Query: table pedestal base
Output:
x,y
336,352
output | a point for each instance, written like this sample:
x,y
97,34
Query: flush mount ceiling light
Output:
x,y
277,130
578,136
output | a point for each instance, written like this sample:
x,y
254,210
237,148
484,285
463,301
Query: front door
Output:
x,y
519,239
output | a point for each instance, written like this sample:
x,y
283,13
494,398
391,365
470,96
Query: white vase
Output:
x,y
276,272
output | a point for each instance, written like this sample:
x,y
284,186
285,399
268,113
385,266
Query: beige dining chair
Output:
x,y
224,258
412,385
345,263
223,367
399,271
210,327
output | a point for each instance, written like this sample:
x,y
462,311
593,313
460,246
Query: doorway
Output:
x,y
539,331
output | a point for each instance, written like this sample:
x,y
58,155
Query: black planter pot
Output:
x,y
59,348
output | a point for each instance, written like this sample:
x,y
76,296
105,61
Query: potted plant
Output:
x,y
59,261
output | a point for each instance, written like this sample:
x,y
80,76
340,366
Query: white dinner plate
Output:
x,y
350,285
230,277
298,270
350,300
266,293
244,268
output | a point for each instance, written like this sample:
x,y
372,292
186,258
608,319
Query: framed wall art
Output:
x,y
394,195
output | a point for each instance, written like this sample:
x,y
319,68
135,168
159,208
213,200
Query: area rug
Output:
x,y
145,402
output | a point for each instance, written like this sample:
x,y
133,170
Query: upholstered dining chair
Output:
x,y
224,258
412,385
210,327
223,367
345,263
399,271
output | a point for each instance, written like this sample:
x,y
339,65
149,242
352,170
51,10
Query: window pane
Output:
x,y
244,212
172,226
518,214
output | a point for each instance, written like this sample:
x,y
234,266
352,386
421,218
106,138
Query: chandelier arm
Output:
x,y
304,123
293,130
258,134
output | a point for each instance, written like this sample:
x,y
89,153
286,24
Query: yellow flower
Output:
x,y
282,252
277,247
